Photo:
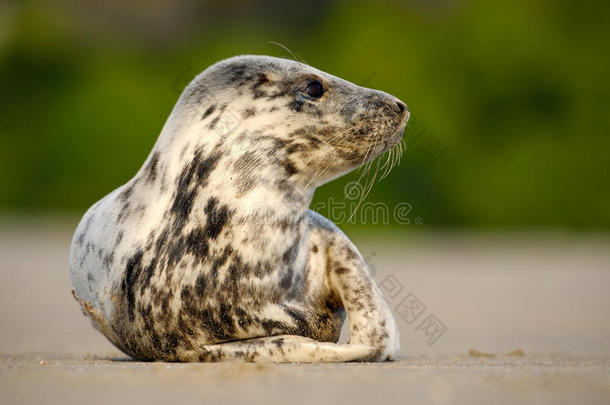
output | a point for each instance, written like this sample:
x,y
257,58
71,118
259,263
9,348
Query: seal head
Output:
x,y
319,122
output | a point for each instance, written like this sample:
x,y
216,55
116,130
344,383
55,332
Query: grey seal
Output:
x,y
210,252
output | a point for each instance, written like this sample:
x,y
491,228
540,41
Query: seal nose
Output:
x,y
399,107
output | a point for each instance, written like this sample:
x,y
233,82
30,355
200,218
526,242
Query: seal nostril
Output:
x,y
401,107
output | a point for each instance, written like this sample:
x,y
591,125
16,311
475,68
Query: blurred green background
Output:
x,y
510,100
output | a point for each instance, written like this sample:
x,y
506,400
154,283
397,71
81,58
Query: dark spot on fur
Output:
x,y
151,168
119,238
291,253
200,285
208,112
313,141
227,319
214,327
244,320
246,167
262,79
148,273
271,325
349,253
196,244
286,280
197,241
295,147
162,239
289,168
237,73
284,224
124,198
81,237
218,216
214,122
220,261
193,177
132,272
300,320
108,260
248,112
248,161
126,193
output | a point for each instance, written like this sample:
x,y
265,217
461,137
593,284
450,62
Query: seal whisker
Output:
x,y
294,56
372,183
366,172
368,164
395,150
389,164
403,148
367,188
398,154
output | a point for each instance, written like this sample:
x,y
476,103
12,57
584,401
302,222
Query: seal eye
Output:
x,y
315,89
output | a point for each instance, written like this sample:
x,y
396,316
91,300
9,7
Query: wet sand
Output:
x,y
484,318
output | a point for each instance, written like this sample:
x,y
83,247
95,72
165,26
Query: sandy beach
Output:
x,y
484,318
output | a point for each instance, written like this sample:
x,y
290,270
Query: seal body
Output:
x,y
210,252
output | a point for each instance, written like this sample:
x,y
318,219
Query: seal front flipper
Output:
x,y
371,321
348,279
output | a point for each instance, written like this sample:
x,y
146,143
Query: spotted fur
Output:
x,y
210,252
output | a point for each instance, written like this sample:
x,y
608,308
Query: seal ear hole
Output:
x,y
315,89
263,79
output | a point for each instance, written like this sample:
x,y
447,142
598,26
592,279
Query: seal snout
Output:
x,y
400,108
402,116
